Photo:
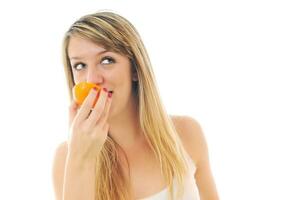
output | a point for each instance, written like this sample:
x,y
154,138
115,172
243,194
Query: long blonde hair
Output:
x,y
117,34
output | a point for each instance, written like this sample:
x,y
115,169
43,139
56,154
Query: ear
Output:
x,y
135,76
134,71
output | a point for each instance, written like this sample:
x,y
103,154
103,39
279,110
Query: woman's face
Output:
x,y
92,63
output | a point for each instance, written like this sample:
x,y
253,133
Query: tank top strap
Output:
x,y
190,162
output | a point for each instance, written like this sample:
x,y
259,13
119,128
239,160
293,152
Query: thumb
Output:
x,y
72,111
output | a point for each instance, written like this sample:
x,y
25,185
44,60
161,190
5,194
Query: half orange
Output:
x,y
81,90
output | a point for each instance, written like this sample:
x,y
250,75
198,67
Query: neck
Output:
x,y
125,127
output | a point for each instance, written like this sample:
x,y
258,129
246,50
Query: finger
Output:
x,y
73,107
98,109
87,105
103,119
106,127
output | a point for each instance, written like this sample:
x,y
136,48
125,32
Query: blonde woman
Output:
x,y
127,147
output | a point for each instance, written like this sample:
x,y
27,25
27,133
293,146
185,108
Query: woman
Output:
x,y
126,147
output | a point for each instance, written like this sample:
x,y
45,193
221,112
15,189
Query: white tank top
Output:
x,y
190,188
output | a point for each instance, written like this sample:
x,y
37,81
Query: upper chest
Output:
x,y
142,169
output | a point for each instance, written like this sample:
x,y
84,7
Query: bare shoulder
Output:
x,y
58,169
193,140
60,153
192,136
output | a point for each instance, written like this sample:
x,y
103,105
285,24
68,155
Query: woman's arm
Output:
x,y
203,175
58,170
79,179
194,140
75,160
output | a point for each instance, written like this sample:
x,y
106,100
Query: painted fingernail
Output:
x,y
95,88
105,89
110,95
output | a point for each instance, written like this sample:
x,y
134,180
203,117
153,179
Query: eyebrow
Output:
x,y
77,58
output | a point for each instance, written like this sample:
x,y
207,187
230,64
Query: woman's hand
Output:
x,y
88,127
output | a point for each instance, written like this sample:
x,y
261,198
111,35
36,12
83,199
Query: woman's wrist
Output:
x,y
79,162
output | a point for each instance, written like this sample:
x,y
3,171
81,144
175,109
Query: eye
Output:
x,y
107,60
78,66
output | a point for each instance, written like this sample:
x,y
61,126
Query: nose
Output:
x,y
94,76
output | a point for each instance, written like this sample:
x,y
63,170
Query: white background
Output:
x,y
232,65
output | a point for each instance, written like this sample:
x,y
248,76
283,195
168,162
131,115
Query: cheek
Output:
x,y
76,80
76,77
79,77
123,82
122,87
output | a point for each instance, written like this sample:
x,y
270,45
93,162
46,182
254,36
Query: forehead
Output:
x,y
80,47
